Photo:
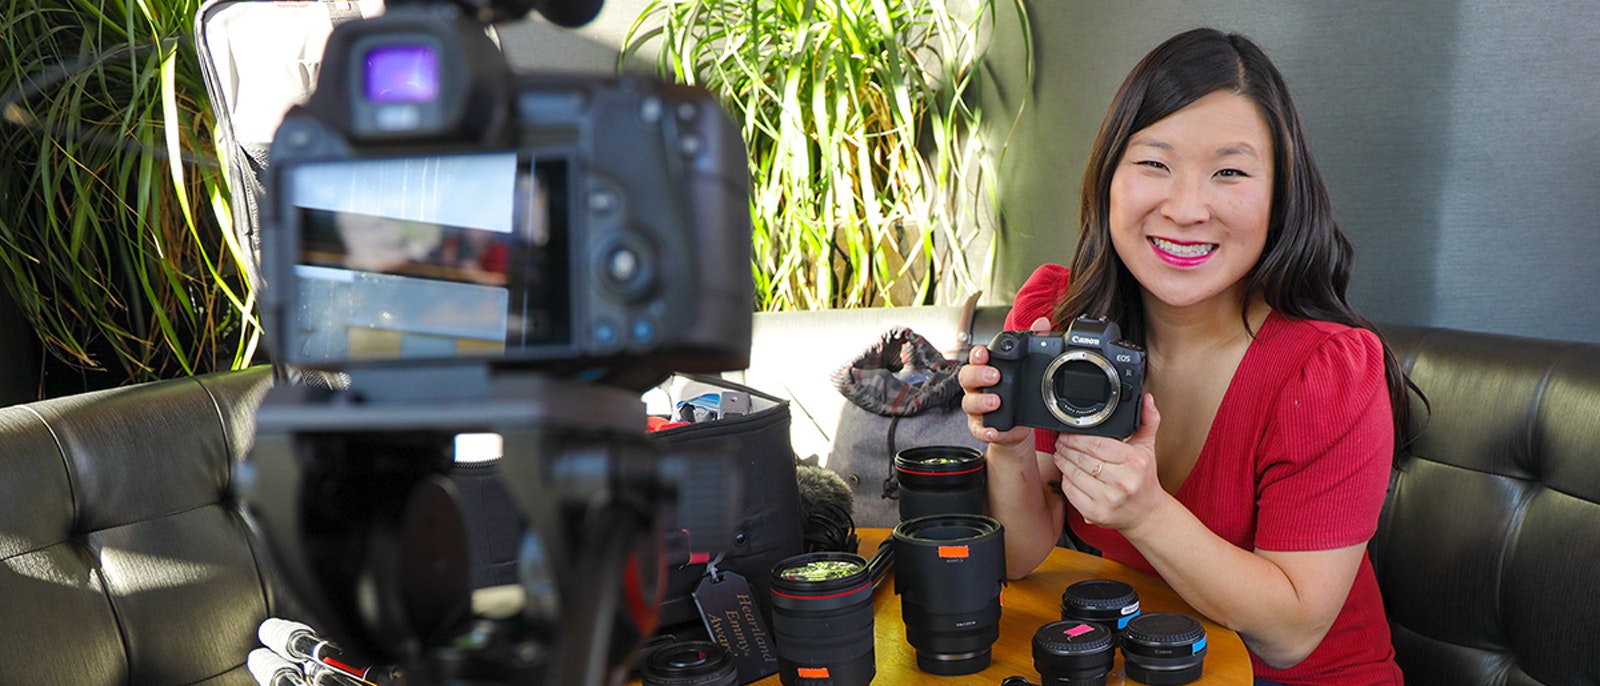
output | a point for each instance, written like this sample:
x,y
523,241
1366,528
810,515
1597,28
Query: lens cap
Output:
x,y
689,663
1108,602
1073,653
1164,649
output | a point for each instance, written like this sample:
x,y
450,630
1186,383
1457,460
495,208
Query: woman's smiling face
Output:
x,y
1191,200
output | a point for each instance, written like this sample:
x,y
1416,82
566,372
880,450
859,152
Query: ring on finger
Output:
x,y
1097,469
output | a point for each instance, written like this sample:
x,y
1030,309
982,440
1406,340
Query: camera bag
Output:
x,y
768,528
769,525
903,393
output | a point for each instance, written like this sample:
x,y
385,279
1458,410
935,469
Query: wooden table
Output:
x,y
1031,603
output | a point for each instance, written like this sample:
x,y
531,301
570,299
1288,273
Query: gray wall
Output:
x,y
1458,139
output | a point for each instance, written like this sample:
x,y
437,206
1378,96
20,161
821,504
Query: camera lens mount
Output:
x,y
1061,409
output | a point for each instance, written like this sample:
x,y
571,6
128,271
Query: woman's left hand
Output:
x,y
1113,483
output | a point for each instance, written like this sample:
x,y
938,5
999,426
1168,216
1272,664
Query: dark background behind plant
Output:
x,y
110,251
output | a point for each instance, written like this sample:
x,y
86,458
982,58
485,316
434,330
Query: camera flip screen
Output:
x,y
402,74
427,258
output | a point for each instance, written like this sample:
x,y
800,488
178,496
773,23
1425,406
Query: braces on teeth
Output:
x,y
1194,250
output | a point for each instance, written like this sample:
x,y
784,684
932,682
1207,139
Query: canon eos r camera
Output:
x,y
428,205
1083,381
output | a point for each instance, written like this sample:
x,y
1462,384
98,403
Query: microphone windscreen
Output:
x,y
826,507
821,488
278,634
271,669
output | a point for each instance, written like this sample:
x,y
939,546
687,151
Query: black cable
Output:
x,y
881,562
830,527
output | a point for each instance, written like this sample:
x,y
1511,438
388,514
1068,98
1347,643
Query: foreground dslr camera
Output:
x,y
1083,381
429,205
482,254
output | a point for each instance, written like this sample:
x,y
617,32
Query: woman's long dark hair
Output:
x,y
1304,269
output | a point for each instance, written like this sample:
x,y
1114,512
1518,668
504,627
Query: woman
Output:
x,y
1208,237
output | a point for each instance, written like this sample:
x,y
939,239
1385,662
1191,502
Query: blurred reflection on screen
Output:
x,y
419,257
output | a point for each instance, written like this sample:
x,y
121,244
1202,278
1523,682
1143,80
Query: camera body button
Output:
x,y
644,331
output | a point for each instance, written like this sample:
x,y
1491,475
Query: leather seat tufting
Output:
x,y
1488,542
123,559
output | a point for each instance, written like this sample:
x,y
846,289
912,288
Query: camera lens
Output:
x,y
1109,603
948,570
1072,653
941,479
1164,649
822,619
690,663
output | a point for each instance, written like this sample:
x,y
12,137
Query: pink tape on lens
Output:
x,y
1079,630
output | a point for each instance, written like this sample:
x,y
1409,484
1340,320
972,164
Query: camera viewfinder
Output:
x,y
402,74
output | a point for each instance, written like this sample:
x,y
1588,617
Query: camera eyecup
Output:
x,y
1164,649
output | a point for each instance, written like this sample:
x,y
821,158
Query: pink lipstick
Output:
x,y
1182,254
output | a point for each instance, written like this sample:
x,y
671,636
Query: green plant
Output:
x,y
859,116
111,238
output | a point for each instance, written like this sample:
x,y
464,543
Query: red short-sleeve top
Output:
x,y
1297,458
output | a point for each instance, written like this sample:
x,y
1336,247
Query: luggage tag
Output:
x,y
729,610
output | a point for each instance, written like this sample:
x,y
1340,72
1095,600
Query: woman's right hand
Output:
x,y
1021,494
976,377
